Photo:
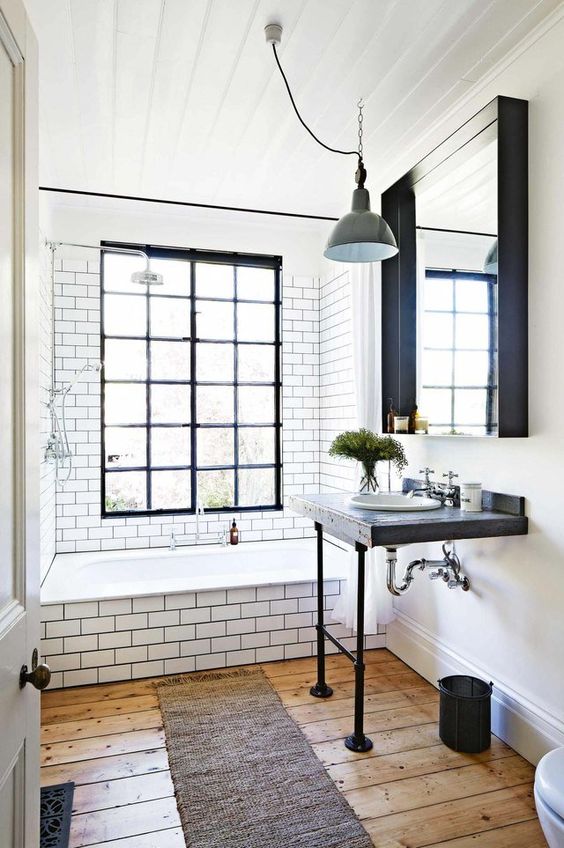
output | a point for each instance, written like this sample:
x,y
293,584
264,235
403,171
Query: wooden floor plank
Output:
x,y
326,708
123,822
463,782
299,695
385,767
523,835
172,838
339,728
345,674
105,746
121,723
119,793
309,664
453,819
107,768
387,742
98,692
97,709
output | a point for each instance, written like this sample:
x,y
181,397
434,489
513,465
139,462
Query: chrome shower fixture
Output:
x,y
147,277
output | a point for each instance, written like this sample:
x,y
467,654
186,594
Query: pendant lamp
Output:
x,y
360,235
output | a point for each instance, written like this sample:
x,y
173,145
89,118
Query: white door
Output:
x,y
19,430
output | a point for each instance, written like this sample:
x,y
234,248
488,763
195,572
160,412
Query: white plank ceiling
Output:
x,y
181,99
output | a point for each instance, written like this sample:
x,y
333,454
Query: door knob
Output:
x,y
39,676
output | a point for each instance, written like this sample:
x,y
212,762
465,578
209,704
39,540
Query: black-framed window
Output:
x,y
458,366
191,385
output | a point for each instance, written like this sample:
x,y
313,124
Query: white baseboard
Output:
x,y
525,726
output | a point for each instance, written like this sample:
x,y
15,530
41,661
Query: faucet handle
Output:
x,y
427,472
451,475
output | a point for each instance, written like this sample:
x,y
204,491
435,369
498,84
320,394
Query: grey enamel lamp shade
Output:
x,y
361,235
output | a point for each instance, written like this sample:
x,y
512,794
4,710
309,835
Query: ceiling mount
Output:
x,y
273,33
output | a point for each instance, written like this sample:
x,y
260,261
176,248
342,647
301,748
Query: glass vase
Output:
x,y
368,480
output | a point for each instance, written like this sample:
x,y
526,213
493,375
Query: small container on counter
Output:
x,y
421,425
471,497
401,423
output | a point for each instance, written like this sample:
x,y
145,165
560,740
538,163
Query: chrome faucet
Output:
x,y
428,487
172,545
446,493
199,511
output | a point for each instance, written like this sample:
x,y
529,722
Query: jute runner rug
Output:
x,y
243,773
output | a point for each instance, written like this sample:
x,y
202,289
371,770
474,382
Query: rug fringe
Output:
x,y
198,676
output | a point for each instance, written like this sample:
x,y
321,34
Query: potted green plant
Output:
x,y
368,448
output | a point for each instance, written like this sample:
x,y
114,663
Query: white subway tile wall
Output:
x,y
79,526
172,634
336,383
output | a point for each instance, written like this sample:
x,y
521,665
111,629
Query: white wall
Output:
x,y
510,627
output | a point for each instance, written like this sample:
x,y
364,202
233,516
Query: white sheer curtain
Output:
x,y
366,323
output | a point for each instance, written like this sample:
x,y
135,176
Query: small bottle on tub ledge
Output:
x,y
234,534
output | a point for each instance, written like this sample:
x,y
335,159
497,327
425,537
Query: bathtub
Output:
x,y
194,568
116,616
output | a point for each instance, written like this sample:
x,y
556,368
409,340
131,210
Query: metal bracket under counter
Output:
x,y
504,515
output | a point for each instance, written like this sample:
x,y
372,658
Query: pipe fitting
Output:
x,y
447,569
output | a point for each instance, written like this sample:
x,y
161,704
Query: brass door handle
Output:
x,y
39,676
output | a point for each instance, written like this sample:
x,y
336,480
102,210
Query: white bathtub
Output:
x,y
134,573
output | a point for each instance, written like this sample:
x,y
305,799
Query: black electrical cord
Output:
x,y
303,123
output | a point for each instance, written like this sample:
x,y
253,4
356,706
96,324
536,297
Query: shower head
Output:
x,y
147,277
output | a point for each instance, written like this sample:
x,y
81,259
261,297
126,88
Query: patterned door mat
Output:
x,y
56,809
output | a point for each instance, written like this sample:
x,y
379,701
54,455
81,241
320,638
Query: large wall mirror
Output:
x,y
454,300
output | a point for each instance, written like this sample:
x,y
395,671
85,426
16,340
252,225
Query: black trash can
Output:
x,y
465,713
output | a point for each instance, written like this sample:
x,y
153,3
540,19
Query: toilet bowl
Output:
x,y
549,797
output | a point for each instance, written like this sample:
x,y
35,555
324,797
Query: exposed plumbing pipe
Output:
x,y
447,569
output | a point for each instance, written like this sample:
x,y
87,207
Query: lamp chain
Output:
x,y
360,105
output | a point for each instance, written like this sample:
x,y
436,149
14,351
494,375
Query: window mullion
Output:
x,y
235,393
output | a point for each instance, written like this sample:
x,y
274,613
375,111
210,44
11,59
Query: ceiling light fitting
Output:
x,y
361,235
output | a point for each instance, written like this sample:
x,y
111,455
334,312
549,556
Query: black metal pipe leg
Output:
x,y
357,741
320,690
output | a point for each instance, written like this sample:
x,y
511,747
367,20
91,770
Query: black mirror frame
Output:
x,y
509,117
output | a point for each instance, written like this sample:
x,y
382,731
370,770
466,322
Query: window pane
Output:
x,y
436,368
118,269
214,363
471,296
170,404
170,317
215,446
439,401
214,320
215,405
472,331
125,491
437,330
216,488
470,406
170,360
255,322
256,363
214,280
176,276
170,490
256,404
255,283
256,445
126,447
125,404
125,360
471,368
170,446
438,294
125,315
256,486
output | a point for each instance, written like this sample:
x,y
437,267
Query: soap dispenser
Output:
x,y
234,534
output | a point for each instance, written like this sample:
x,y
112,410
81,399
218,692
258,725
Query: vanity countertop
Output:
x,y
502,515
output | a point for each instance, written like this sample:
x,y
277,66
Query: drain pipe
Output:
x,y
447,569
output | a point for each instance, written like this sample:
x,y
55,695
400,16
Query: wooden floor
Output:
x,y
410,791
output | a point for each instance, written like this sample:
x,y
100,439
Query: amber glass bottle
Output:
x,y
234,534
392,412
412,419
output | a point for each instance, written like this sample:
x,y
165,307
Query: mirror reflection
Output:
x,y
457,362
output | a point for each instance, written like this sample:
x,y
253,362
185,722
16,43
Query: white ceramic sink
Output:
x,y
393,502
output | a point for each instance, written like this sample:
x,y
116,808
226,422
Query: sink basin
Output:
x,y
393,502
